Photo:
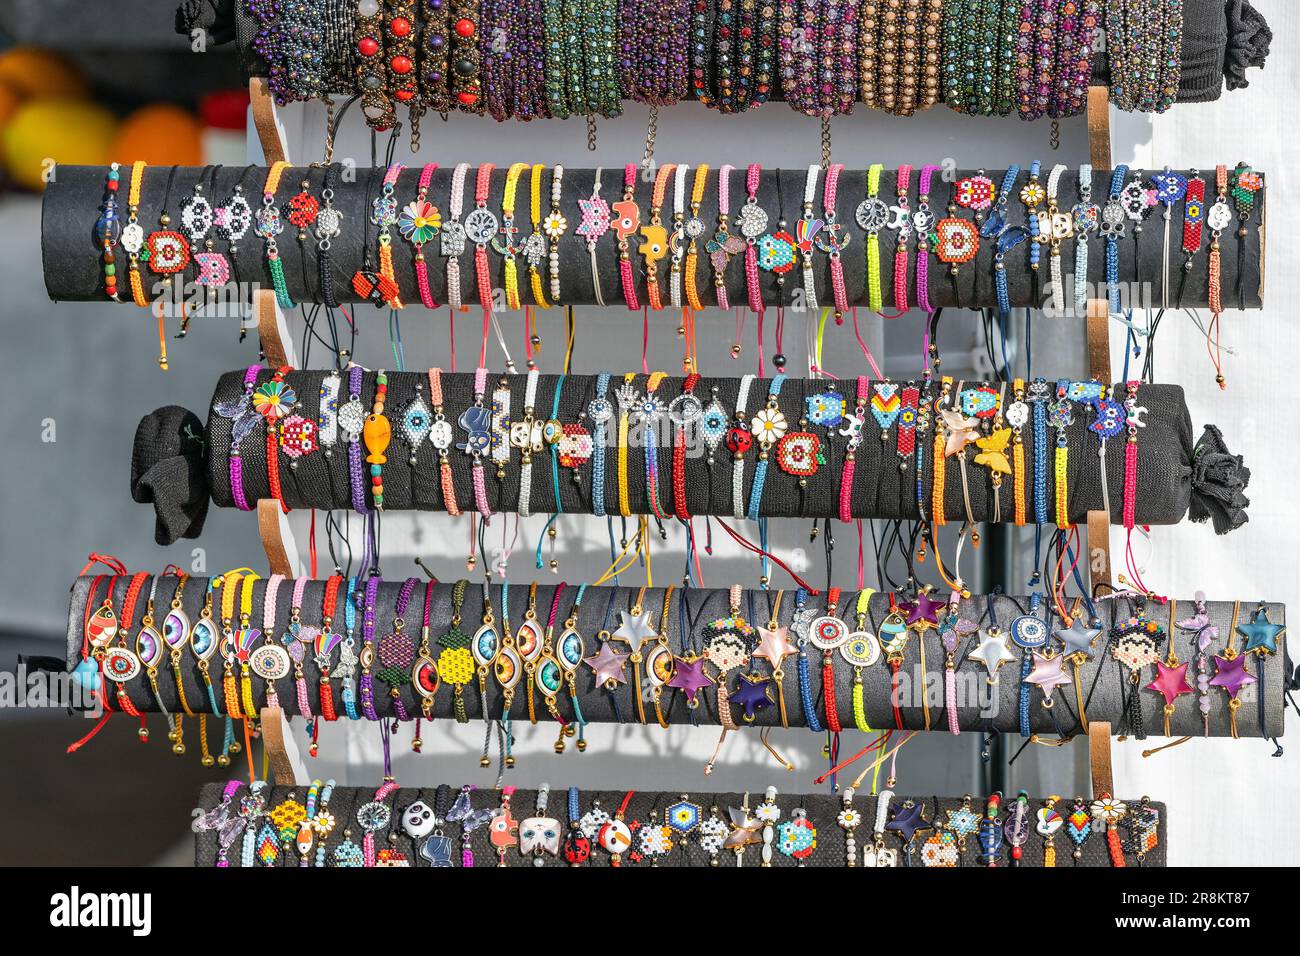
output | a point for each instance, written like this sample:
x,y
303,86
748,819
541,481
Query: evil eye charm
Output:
x,y
739,439
552,432
827,633
120,664
825,408
1029,632
418,820
777,252
550,678
415,422
683,816
269,662
508,668
570,650
149,646
861,649
481,226
169,252
484,645
528,640
713,425
1110,418
600,410
685,409
176,629
424,676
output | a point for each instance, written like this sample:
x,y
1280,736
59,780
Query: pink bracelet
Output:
x,y
627,217
903,218
856,428
480,487
724,216
420,222
440,435
833,237
922,221
751,236
1133,423
368,841
297,649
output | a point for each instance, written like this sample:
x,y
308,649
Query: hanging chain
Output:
x,y
415,127
651,131
1055,136
591,132
826,142
329,131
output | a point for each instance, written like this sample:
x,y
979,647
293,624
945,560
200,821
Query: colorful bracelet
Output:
x,y
376,105
627,219
692,230
108,229
466,79
739,439
435,67
268,225
654,246
481,228
768,427
507,241
1113,219
242,421
923,223
854,428
752,222
806,231
419,223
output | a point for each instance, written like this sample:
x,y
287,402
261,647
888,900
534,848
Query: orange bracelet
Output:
x,y
655,246
694,229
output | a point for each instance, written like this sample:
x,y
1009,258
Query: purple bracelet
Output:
x,y
654,50
1078,42
355,415
396,655
368,647
813,33
1035,57
242,419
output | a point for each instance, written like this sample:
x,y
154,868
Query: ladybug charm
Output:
x,y
739,439
577,848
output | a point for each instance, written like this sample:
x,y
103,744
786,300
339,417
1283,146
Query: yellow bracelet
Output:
x,y
875,302
626,396
694,229
535,244
1018,447
133,235
509,230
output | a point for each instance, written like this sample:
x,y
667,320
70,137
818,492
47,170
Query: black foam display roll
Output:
x,y
1104,685
1171,473
822,812
73,269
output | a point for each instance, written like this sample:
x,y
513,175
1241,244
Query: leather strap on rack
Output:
x,y
1099,126
266,122
1103,778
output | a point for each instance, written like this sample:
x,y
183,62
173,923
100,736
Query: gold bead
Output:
x,y
484,762
510,761
144,733
178,749
582,745
207,761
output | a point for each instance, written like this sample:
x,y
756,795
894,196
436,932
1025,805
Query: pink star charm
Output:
x,y
1048,674
774,645
1230,673
1170,682
608,665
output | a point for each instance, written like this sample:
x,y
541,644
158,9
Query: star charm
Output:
x,y
1078,637
634,631
1048,675
689,677
963,821
923,614
753,694
1260,635
1171,682
992,652
1230,673
961,431
608,665
907,820
774,645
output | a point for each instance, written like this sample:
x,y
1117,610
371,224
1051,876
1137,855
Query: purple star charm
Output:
x,y
923,614
1230,673
608,665
689,677
753,694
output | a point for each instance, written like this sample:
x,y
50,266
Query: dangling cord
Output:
x,y
862,344
755,549
737,344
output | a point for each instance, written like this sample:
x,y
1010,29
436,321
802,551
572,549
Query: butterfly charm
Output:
x,y
240,412
993,451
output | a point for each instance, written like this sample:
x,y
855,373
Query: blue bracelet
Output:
x,y
776,424
600,411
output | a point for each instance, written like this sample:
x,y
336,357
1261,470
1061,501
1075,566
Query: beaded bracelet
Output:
x,y
957,240
654,64
555,225
595,222
1079,25
738,440
723,245
1004,235
500,20
435,43
818,44
627,219
376,104
1054,228
599,51
1035,45
466,79
399,49
108,229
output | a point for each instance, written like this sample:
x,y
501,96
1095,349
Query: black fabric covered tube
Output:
x,y
822,810
1221,38
73,268
1173,473
982,707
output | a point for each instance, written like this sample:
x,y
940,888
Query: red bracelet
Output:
x,y
274,401
481,227
627,218
685,409
903,223
827,633
833,239
424,673
854,427
326,641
